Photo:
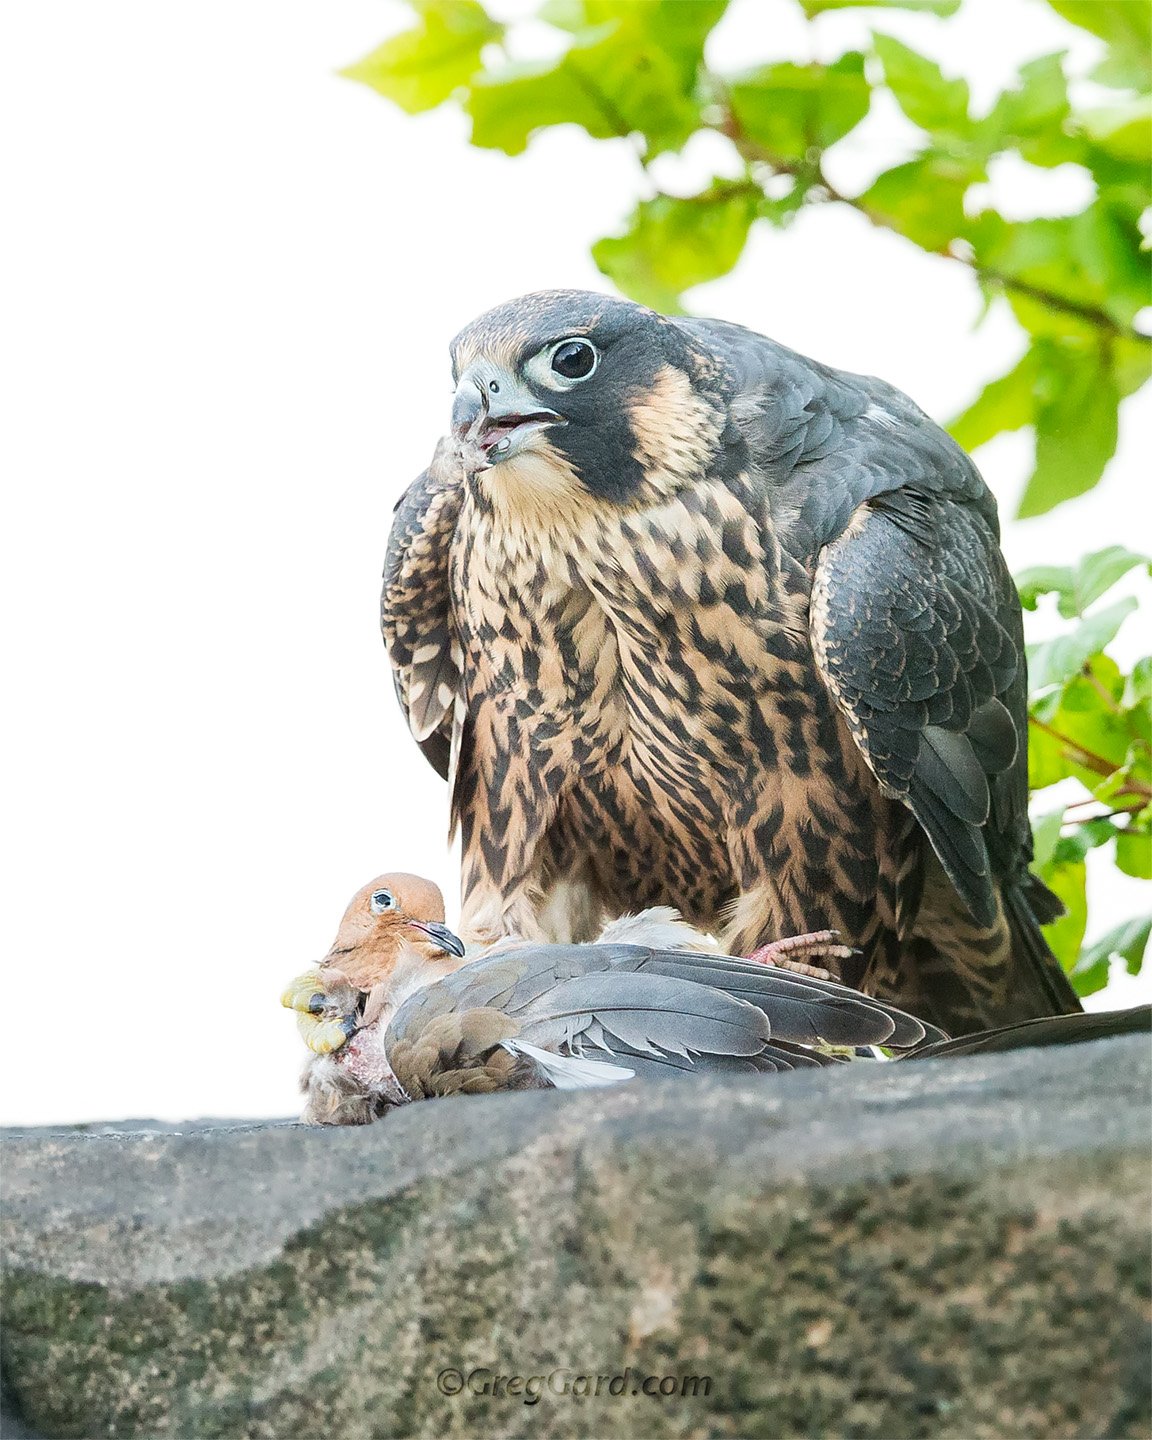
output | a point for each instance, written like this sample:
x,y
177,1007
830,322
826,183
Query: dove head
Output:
x,y
393,919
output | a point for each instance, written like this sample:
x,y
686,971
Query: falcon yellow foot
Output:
x,y
796,951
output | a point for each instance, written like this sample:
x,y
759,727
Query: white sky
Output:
x,y
229,281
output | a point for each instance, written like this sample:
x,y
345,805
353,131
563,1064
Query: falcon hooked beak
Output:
x,y
497,412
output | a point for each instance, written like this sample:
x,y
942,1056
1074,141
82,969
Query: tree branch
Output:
x,y
1090,761
753,153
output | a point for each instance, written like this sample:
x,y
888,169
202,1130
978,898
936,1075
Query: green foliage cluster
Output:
x,y
636,70
1091,723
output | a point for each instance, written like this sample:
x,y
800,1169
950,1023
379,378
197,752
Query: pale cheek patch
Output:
x,y
537,487
676,432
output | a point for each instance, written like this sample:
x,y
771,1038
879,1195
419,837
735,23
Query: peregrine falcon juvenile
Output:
x,y
689,619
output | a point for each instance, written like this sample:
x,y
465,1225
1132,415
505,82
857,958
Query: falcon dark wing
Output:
x,y
909,639
416,606
917,633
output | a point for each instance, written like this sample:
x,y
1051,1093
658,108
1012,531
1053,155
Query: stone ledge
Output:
x,y
955,1248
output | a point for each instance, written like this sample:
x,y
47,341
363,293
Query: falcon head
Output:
x,y
566,391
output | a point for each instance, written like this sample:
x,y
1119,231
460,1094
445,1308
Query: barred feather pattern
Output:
x,y
776,681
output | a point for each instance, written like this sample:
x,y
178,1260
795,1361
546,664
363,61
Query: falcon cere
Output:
x,y
695,627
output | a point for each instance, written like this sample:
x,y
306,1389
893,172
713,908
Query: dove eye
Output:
x,y
382,900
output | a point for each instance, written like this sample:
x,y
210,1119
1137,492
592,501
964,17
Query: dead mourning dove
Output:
x,y
392,1014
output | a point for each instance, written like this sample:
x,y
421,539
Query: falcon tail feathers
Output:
x,y
1044,904
1049,1030
1040,980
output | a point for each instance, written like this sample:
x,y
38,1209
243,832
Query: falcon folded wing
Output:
x,y
416,610
916,643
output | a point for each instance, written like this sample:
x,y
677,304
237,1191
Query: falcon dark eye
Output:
x,y
382,900
574,359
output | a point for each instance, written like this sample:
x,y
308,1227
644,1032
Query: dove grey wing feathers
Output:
x,y
800,1009
650,1014
632,1000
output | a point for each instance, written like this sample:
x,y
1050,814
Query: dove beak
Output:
x,y
440,935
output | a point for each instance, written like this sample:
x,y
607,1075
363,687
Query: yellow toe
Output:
x,y
320,1034
300,991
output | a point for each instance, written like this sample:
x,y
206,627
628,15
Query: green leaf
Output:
x,y
1100,831
1127,942
1052,662
1046,762
936,104
813,8
1045,836
1078,729
1134,774
1080,587
1086,836
1076,423
1137,700
1036,106
1133,364
1126,28
794,110
508,106
922,199
1134,852
1102,675
1004,404
677,27
571,15
632,72
1040,580
1138,688
673,243
1122,130
1067,878
1091,261
420,68
1105,242
1096,574
781,210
